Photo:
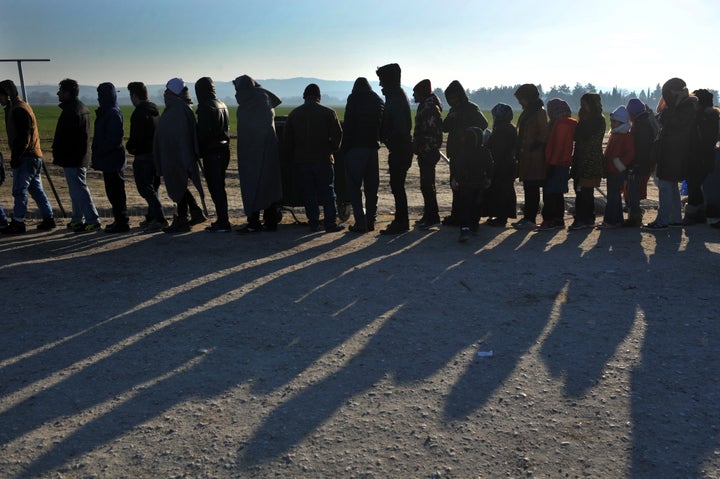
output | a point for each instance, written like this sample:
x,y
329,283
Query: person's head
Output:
x,y
205,89
107,95
389,75
502,114
635,108
619,117
422,90
526,94
674,90
138,92
455,94
312,93
705,98
68,90
8,92
558,108
175,86
590,105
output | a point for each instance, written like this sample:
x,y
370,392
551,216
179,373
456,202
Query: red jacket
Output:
x,y
559,148
620,145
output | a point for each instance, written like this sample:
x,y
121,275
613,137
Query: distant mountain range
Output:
x,y
290,90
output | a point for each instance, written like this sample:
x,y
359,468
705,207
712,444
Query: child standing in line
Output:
x,y
558,156
619,153
501,202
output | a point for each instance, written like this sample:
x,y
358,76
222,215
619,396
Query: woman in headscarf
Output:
x,y
501,202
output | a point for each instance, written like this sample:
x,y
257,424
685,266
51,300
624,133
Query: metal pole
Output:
x,y
22,80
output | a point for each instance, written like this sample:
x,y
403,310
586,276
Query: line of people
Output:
x,y
545,150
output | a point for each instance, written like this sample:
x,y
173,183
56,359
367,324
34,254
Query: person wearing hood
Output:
x,y
463,114
640,170
140,144
427,139
71,151
672,149
25,160
213,134
558,156
395,134
312,134
108,155
702,158
258,153
501,201
588,159
176,154
532,137
619,154
4,223
360,144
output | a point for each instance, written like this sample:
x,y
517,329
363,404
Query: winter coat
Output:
x,y
21,127
108,152
559,148
501,199
363,117
428,133
702,159
472,166
620,145
312,133
463,114
643,138
71,144
213,129
175,148
257,146
588,160
143,122
532,136
397,120
674,143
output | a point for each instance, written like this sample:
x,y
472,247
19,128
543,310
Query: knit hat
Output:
x,y
312,92
389,75
558,108
175,85
673,88
705,98
620,114
502,113
636,107
423,89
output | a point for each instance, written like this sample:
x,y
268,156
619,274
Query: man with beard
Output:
x,y
463,114
395,134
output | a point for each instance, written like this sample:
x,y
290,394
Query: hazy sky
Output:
x,y
630,44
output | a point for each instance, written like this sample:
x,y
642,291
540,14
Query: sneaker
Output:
x,y
524,224
420,221
654,226
217,227
117,227
334,228
632,223
430,223
74,224
465,234
580,225
197,217
549,225
146,222
153,226
496,222
371,224
47,224
608,226
357,228
14,228
87,228
247,229
178,225
395,228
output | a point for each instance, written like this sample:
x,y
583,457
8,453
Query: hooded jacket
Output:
x,y
71,144
463,114
108,152
559,147
363,117
21,126
532,135
175,147
396,127
257,145
472,167
428,133
677,120
143,121
213,129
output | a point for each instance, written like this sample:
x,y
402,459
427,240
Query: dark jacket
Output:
x,y
702,160
472,166
21,126
643,138
312,133
363,117
588,160
142,128
397,120
213,128
428,133
463,114
674,143
71,144
108,152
